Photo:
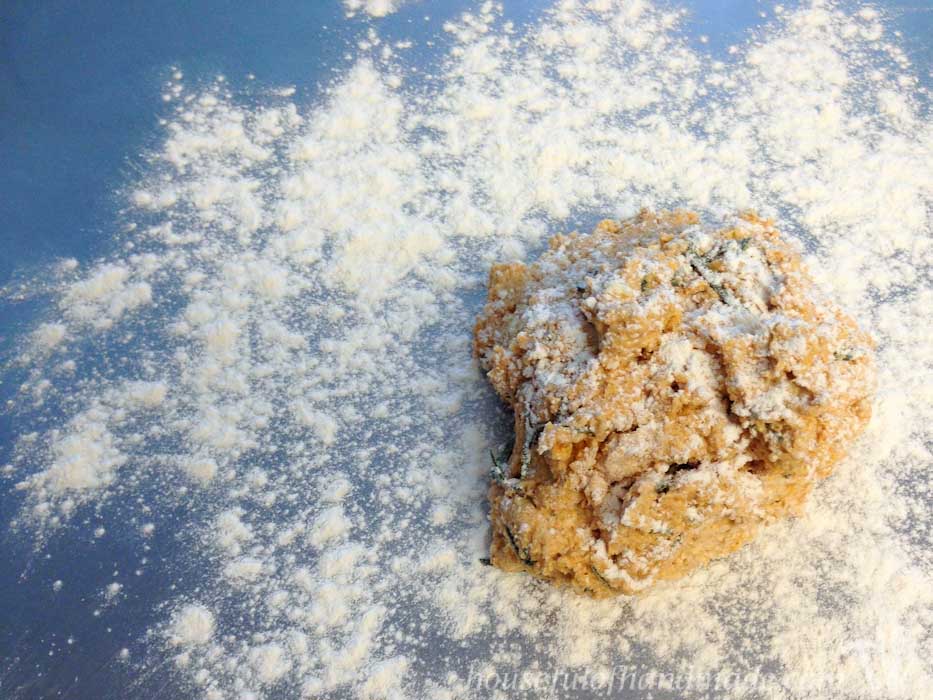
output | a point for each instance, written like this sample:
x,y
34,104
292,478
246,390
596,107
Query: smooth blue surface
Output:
x,y
80,100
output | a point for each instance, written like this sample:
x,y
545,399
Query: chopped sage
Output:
x,y
498,471
600,576
698,263
531,435
774,432
522,554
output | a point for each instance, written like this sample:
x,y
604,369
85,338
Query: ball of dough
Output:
x,y
674,386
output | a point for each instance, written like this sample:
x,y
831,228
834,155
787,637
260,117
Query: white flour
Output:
x,y
286,334
374,8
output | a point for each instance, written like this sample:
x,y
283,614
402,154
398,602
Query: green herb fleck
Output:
x,y
663,486
844,355
522,554
584,430
600,576
774,432
699,264
644,285
498,471
714,253
743,243
531,435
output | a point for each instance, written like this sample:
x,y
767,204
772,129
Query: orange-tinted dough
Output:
x,y
674,387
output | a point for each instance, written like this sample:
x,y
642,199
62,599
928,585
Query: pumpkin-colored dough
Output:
x,y
674,386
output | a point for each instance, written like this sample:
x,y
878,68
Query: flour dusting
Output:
x,y
373,8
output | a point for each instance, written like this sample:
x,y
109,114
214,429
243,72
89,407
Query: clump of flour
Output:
x,y
285,350
373,8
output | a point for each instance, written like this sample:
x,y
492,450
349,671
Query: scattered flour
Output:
x,y
192,625
48,335
285,351
105,295
82,458
374,8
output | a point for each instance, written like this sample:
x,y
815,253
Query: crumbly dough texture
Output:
x,y
674,386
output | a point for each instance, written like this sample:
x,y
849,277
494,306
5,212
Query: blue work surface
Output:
x,y
80,99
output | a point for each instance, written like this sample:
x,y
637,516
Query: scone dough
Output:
x,y
674,386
